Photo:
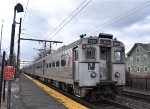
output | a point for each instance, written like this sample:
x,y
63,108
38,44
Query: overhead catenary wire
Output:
x,y
25,11
69,18
26,34
77,10
118,18
9,47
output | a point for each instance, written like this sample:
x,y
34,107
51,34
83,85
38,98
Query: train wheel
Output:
x,y
69,88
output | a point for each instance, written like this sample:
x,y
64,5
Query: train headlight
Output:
x,y
93,74
117,74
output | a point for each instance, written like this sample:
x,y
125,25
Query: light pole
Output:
x,y
18,8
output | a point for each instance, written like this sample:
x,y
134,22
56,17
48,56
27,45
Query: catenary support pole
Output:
x,y
18,52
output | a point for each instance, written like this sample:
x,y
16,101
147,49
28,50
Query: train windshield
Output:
x,y
118,56
90,53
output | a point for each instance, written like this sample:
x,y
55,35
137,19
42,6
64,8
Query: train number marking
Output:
x,y
91,66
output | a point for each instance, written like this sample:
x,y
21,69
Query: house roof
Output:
x,y
146,47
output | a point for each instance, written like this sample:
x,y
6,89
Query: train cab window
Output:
x,y
118,55
90,53
76,55
103,54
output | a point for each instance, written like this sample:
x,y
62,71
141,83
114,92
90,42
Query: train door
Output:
x,y
75,64
105,63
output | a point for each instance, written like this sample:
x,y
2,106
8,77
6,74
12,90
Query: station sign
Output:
x,y
9,72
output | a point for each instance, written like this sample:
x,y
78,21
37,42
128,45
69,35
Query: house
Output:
x,y
138,60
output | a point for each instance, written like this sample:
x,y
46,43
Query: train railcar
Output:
x,y
92,66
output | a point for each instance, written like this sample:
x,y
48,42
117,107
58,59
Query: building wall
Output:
x,y
138,58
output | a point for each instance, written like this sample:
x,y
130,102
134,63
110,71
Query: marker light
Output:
x,y
93,74
117,74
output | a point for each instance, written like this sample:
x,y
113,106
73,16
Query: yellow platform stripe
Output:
x,y
69,103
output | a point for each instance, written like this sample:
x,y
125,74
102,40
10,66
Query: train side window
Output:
x,y
63,62
90,52
57,63
118,55
49,65
103,54
53,64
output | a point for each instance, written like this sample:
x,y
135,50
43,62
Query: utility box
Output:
x,y
9,72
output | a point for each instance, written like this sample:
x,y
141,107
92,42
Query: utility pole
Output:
x,y
18,52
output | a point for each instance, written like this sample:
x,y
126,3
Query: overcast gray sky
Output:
x,y
127,20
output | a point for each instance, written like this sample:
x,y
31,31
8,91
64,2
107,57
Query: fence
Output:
x,y
139,83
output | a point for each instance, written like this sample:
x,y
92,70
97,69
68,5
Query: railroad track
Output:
x,y
105,104
137,96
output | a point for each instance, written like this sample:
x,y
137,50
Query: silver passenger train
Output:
x,y
90,66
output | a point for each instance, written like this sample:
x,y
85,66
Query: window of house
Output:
x,y
138,68
131,59
145,68
47,65
138,58
145,57
137,50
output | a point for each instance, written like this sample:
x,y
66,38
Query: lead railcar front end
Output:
x,y
99,66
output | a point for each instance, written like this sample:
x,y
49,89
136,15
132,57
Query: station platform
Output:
x,y
27,93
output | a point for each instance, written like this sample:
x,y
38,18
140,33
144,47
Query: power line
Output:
x,y
26,34
118,18
25,11
65,22
9,47
66,18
